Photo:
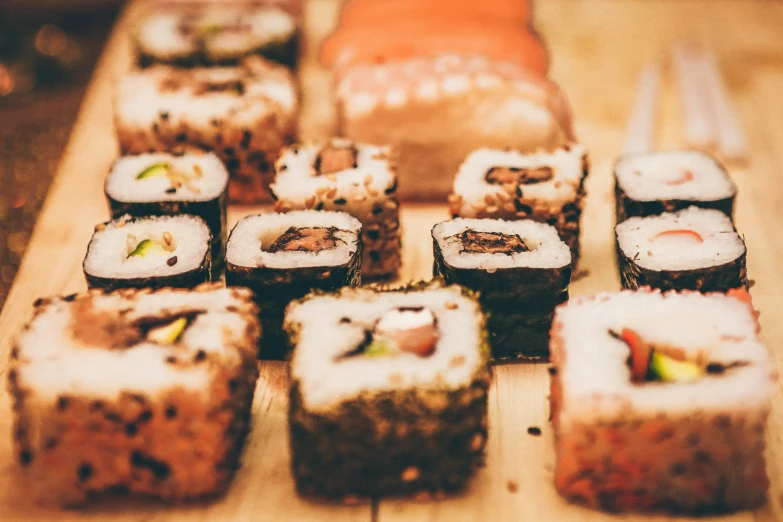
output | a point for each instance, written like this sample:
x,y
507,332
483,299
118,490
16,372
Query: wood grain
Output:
x,y
598,48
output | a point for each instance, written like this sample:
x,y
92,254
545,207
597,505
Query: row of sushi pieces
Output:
x,y
658,400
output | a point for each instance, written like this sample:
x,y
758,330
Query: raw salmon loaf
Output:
x,y
693,249
547,187
245,114
145,392
351,177
216,34
435,111
388,392
660,401
282,257
152,252
163,184
653,183
521,270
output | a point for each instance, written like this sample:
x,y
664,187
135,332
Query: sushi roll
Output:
x,y
149,252
547,187
216,34
388,392
282,257
660,401
692,249
653,183
168,185
140,391
245,114
351,177
521,270
434,111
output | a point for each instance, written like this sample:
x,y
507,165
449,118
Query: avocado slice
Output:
x,y
376,348
147,246
156,170
209,30
169,333
669,369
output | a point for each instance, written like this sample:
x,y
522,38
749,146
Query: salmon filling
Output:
x,y
334,159
474,242
305,239
412,329
518,175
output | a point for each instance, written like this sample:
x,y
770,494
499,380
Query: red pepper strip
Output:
x,y
640,354
684,178
681,232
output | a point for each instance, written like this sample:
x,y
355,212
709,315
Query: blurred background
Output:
x,y
48,49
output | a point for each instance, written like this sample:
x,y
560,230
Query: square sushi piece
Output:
x,y
660,401
216,34
657,182
282,257
145,392
388,392
436,110
352,177
521,270
547,187
245,114
162,184
692,249
151,252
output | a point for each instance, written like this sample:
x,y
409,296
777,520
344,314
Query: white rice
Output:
x,y
664,176
252,236
122,185
593,369
566,163
57,363
108,252
547,250
323,338
637,238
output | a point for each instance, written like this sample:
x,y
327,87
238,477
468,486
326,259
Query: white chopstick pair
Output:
x,y
710,119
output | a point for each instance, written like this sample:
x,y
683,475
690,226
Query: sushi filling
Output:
x,y
650,363
332,159
518,175
475,242
150,246
411,329
200,85
177,177
306,239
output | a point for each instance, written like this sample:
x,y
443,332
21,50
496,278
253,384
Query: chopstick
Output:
x,y
639,135
696,106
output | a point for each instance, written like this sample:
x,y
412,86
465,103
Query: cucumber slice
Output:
x,y
147,246
668,369
156,170
376,348
169,333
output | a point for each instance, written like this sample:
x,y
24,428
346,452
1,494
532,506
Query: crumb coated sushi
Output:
x,y
388,393
282,257
653,183
351,177
693,249
215,34
435,111
245,114
660,401
521,270
147,392
152,252
547,187
170,184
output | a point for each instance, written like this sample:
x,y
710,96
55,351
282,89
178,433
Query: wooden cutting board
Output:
x,y
598,48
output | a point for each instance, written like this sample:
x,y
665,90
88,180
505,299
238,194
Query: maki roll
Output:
x,y
653,183
282,257
245,114
692,249
436,110
388,392
171,184
216,34
521,270
139,391
152,252
660,401
351,177
547,187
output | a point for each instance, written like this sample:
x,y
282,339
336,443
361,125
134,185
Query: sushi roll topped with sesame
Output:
x,y
653,183
217,34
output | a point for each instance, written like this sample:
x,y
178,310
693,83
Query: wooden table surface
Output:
x,y
598,48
